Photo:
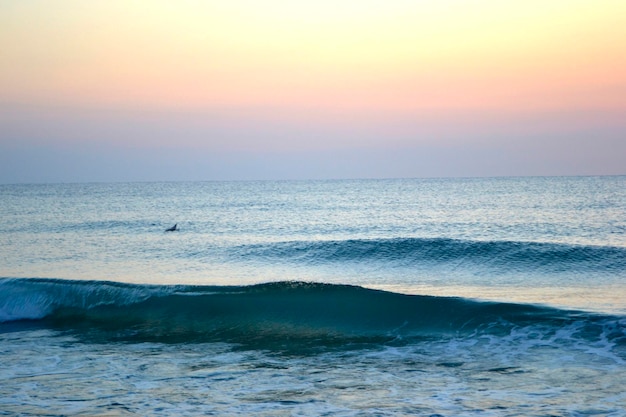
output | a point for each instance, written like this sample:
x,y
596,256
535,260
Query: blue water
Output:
x,y
499,296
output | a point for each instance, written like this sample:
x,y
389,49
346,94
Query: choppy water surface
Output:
x,y
396,297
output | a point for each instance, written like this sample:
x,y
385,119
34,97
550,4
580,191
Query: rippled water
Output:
x,y
104,313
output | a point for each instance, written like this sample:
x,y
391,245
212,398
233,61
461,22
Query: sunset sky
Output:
x,y
268,89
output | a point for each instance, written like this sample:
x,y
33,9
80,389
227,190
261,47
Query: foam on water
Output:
x,y
296,318
57,374
263,302
24,299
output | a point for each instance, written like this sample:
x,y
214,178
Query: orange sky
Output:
x,y
382,55
369,72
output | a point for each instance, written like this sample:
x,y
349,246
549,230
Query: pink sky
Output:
x,y
300,80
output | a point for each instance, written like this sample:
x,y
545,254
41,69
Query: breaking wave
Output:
x,y
280,315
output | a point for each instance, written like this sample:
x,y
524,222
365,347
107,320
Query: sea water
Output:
x,y
486,297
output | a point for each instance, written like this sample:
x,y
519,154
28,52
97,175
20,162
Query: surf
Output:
x,y
289,315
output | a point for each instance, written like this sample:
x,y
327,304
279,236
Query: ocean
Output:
x,y
404,297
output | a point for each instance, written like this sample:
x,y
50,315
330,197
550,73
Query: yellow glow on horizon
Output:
x,y
392,55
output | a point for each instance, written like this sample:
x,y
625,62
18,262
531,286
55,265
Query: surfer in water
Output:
x,y
172,229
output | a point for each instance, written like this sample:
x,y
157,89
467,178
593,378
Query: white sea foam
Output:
x,y
443,237
458,376
30,299
19,303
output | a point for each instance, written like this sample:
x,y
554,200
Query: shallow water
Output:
x,y
520,374
499,297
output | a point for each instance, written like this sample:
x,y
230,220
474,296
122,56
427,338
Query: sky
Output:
x,y
157,90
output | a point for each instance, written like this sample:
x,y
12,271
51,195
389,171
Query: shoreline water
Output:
x,y
488,297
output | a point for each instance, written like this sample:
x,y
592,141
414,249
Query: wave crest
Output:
x,y
500,255
280,315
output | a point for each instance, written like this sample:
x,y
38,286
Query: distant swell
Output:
x,y
280,315
498,255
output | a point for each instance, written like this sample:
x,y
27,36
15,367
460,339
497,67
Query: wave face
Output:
x,y
505,256
276,316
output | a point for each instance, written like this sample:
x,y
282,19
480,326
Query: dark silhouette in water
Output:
x,y
172,229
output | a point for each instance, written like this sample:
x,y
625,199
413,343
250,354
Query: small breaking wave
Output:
x,y
280,315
